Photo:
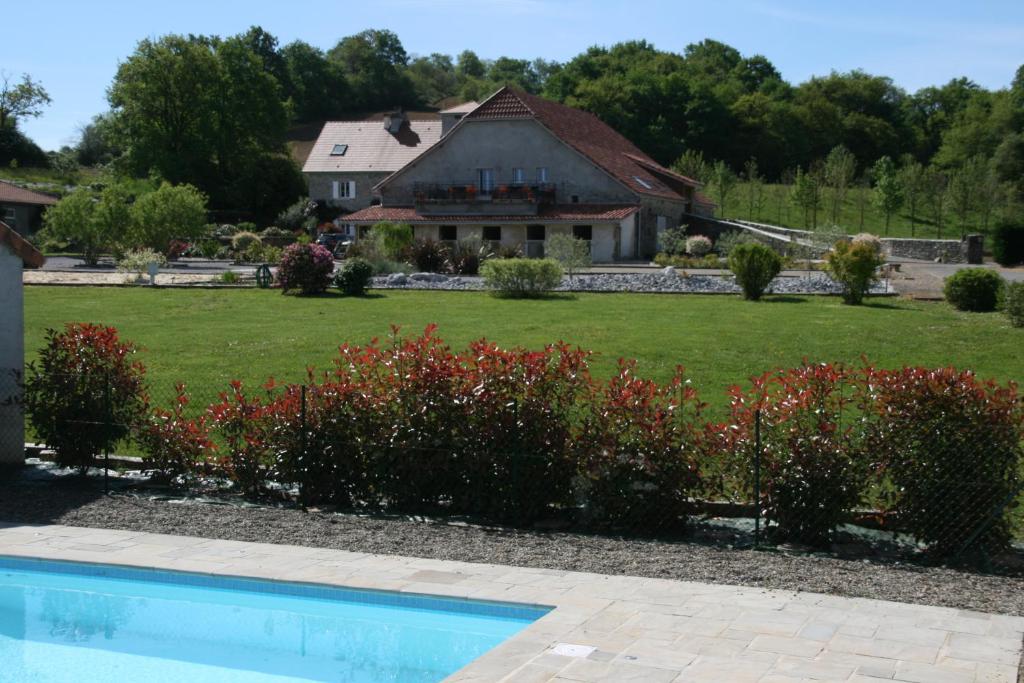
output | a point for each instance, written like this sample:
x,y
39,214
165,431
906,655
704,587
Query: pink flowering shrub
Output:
x,y
305,267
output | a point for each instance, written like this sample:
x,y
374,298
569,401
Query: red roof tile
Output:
x,y
588,135
30,256
12,194
565,213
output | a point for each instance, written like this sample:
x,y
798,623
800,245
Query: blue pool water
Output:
x,y
80,622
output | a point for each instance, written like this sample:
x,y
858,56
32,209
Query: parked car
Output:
x,y
337,242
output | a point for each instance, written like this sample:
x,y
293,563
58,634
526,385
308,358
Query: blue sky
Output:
x,y
73,47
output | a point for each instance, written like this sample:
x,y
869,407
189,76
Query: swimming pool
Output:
x,y
65,621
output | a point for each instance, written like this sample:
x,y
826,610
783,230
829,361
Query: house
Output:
x,y
518,168
22,209
15,254
349,158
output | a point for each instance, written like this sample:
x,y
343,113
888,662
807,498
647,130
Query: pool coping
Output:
x,y
600,628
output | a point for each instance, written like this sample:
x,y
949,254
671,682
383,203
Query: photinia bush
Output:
x,y
305,267
950,453
85,392
813,465
174,445
242,423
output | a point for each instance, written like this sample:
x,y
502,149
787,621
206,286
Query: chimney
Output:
x,y
393,120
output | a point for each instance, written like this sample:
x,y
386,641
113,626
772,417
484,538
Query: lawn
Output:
x,y
207,337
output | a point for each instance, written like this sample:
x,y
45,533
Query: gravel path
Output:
x,y
668,281
75,504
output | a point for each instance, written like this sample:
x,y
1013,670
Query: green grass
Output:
x,y
777,209
207,337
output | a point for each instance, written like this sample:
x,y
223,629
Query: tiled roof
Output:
x,y
12,194
30,256
463,108
588,135
370,146
564,213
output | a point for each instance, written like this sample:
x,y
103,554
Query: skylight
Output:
x,y
339,150
642,183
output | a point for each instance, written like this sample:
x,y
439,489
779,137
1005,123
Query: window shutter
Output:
x,y
334,189
351,189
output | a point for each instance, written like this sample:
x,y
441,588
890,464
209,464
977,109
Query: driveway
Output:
x,y
70,264
924,279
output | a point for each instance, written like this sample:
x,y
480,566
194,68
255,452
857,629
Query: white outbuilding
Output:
x,y
15,255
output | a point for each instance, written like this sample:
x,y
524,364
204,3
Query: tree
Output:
x,y
724,182
693,165
374,63
73,218
754,188
316,88
935,192
888,191
573,253
840,168
806,194
964,186
96,142
171,212
20,100
433,77
470,66
911,178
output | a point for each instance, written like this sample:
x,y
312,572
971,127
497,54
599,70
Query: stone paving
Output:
x,y
607,628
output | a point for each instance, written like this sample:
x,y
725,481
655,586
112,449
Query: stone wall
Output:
x,y
321,190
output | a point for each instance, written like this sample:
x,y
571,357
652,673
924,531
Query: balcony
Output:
x,y
468,198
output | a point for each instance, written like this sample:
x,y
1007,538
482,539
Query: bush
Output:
x,y
1014,303
698,245
508,251
1008,243
755,266
299,216
572,252
974,289
728,241
172,444
855,267
176,249
814,465
354,276
137,261
522,277
254,253
168,213
673,241
429,256
305,267
208,248
708,261
468,254
949,447
243,426
390,240
84,392
241,241
866,238
272,255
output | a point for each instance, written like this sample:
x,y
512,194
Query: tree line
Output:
x,y
215,111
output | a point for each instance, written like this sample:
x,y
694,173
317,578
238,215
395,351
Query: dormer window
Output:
x,y
339,150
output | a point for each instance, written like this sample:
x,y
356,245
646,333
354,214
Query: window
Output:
x,y
583,232
10,216
339,150
492,233
343,189
536,233
642,183
542,174
485,176
518,177
448,233
575,199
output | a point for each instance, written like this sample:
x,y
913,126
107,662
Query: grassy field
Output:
x,y
208,337
777,209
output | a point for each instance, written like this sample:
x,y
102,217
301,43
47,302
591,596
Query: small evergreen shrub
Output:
x,y
208,248
698,245
974,289
855,267
673,241
174,445
755,266
241,241
572,252
354,276
253,253
305,267
522,278
1014,303
1008,243
84,392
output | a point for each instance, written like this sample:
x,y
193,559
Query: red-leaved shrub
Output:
x,y
242,423
173,444
85,392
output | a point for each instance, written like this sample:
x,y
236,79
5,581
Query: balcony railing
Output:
x,y
462,193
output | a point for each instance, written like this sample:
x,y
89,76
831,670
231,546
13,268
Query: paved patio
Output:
x,y
606,628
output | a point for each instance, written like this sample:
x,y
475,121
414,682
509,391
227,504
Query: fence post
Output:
x,y
757,478
303,442
109,427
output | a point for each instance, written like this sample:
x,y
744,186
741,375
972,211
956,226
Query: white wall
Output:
x,y
12,357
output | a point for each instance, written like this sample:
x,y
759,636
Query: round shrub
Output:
x,y
521,277
84,393
854,265
241,241
868,239
698,245
974,289
1014,304
354,276
305,267
1008,243
755,266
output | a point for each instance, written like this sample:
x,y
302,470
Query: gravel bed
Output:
x,y
77,503
667,281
